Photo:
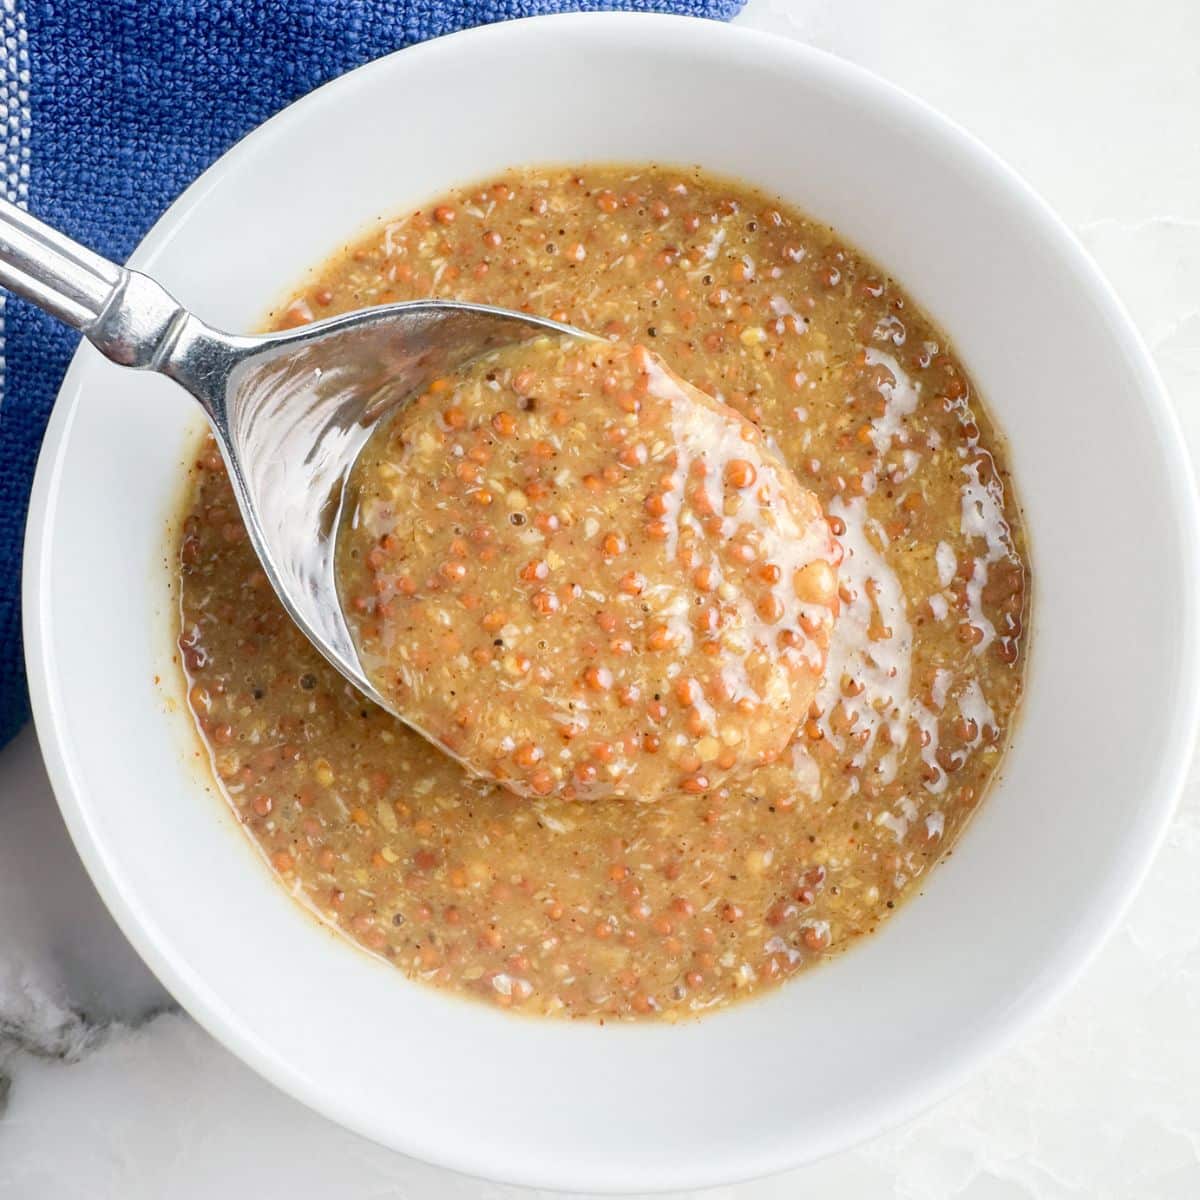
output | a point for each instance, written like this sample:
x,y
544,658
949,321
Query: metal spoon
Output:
x,y
290,411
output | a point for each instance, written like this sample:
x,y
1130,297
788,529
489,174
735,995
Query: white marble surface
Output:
x,y
108,1092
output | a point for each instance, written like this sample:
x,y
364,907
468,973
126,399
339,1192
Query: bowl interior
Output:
x,y
1049,861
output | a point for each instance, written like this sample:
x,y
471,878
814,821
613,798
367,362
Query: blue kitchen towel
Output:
x,y
111,107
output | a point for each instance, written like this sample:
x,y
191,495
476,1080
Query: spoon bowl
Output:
x,y
291,412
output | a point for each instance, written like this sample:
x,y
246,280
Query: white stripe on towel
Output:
x,y
14,121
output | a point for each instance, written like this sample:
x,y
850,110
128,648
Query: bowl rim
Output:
x,y
1077,950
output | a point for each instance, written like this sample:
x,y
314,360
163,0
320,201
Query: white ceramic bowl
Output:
x,y
1041,876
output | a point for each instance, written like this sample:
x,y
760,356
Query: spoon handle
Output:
x,y
126,315
54,272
